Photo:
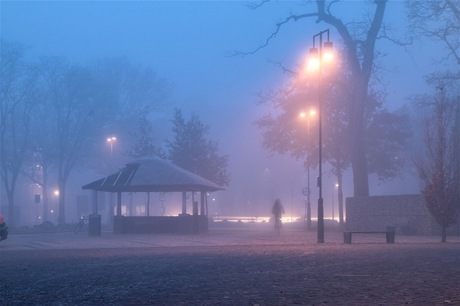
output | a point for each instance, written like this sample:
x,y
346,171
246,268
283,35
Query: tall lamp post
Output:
x,y
318,56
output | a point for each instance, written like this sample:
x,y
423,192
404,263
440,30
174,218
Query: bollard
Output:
x,y
94,226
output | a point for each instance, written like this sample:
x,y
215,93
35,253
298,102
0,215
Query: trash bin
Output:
x,y
94,226
347,237
390,234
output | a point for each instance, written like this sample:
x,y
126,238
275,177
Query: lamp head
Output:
x,y
313,60
328,52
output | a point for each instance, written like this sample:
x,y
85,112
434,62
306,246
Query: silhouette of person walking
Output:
x,y
277,211
3,228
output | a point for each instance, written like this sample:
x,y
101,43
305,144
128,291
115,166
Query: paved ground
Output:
x,y
228,267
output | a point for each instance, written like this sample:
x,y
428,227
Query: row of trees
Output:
x,y
189,147
54,116
359,132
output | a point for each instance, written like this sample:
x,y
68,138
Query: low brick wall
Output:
x,y
407,213
186,224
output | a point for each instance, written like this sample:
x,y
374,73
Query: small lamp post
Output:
x,y
310,115
111,140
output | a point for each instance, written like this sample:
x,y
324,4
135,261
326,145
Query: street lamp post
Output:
x,y
310,115
317,64
333,195
111,140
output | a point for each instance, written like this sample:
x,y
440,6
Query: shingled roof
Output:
x,y
152,175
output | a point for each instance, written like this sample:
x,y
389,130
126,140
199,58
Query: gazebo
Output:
x,y
154,175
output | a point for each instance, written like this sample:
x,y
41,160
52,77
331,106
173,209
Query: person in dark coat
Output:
x,y
3,228
277,211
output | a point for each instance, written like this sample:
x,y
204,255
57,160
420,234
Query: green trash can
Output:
x,y
94,226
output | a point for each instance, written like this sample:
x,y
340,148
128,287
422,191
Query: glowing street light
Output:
x,y
311,113
111,140
320,56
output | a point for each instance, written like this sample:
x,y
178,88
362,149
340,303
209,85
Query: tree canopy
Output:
x,y
18,90
74,107
285,132
192,150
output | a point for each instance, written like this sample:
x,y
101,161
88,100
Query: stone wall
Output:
x,y
407,213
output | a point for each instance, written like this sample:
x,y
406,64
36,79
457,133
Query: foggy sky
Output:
x,y
186,42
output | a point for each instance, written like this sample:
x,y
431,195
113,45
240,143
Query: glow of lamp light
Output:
x,y
328,54
313,65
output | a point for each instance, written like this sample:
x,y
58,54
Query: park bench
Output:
x,y
389,235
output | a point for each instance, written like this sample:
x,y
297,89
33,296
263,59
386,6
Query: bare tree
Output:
x,y
439,167
438,20
133,92
360,39
41,154
82,106
17,90
77,115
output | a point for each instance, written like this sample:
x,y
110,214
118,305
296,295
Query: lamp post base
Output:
x,y
320,221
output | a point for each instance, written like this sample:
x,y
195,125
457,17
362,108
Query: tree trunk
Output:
x,y
340,197
61,217
361,72
45,196
457,147
45,203
358,155
359,167
11,215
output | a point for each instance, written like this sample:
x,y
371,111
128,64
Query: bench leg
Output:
x,y
347,237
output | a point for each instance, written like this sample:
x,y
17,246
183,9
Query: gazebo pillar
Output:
x,y
118,203
147,210
202,211
206,203
184,203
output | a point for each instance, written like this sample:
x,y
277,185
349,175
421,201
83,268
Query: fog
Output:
x,y
187,43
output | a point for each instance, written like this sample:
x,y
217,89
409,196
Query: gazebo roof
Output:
x,y
152,175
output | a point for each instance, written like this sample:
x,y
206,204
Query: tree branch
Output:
x,y
278,27
254,6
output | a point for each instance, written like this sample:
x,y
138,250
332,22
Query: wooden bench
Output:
x,y
390,235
